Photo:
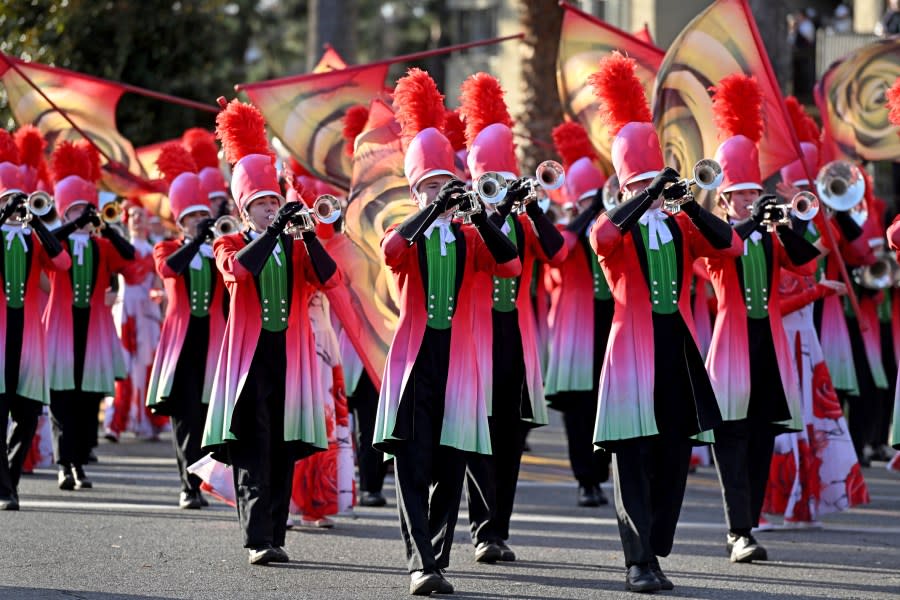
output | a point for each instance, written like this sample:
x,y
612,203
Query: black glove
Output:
x,y
12,205
676,191
762,208
179,260
322,263
849,228
88,215
500,246
52,246
122,246
716,231
549,237
798,249
285,215
450,195
205,229
662,179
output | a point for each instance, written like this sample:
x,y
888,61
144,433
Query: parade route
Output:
x,y
127,539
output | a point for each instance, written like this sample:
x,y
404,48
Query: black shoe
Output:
x,y
601,497
65,479
189,500
9,503
640,578
446,587
263,555
81,480
92,458
664,582
488,552
745,549
281,555
423,584
372,499
203,501
587,496
506,553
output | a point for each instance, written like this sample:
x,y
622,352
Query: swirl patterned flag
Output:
x,y
720,41
851,99
583,42
88,101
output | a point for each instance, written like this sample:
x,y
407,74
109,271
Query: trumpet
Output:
x,y
841,185
548,176
707,175
39,203
326,209
611,193
490,188
803,206
225,225
880,275
111,213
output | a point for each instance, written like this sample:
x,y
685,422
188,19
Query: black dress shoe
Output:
x,y
92,458
189,500
664,582
446,587
601,497
488,552
65,479
81,480
9,504
203,501
640,578
506,553
423,584
587,496
372,499
745,549
262,555
281,555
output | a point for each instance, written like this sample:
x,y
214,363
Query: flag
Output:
x,y
720,41
583,42
851,99
88,101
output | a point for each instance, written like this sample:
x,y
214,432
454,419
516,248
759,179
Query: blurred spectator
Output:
x,y
842,22
802,37
890,21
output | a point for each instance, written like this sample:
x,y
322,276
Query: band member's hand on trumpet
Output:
x,y
13,202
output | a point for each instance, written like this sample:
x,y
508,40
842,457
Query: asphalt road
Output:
x,y
126,539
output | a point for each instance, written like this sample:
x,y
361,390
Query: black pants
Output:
x,y
429,476
491,479
881,430
13,450
372,466
861,408
743,453
650,475
263,464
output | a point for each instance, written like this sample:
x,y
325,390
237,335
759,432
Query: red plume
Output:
x,y
418,104
31,144
202,146
9,152
93,158
804,125
173,160
354,122
620,92
481,104
893,102
737,107
572,142
455,130
67,159
242,130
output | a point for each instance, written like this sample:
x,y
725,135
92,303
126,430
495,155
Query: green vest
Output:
x,y
15,264
663,264
200,284
274,293
811,235
441,282
756,281
601,286
884,312
83,277
506,288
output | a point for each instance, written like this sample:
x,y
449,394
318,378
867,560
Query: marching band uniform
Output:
x,y
749,361
654,390
893,236
509,347
266,408
432,405
85,355
26,250
191,337
202,146
578,337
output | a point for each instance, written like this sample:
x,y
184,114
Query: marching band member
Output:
x,y
749,360
266,409
202,146
432,405
654,390
85,355
27,250
578,336
182,375
509,347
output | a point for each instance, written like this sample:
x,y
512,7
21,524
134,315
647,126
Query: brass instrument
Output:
x,y
326,209
880,275
225,225
490,188
111,213
840,185
548,176
803,206
39,203
611,193
707,175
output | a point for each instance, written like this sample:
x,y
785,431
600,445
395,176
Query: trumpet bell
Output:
x,y
327,209
40,203
878,276
805,206
611,193
111,213
841,185
708,174
550,175
226,225
491,187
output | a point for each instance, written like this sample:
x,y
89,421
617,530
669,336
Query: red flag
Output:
x,y
644,35
583,42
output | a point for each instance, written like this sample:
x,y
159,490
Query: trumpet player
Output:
x,y
432,405
28,249
749,360
654,391
578,336
509,345
191,336
266,406
85,355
